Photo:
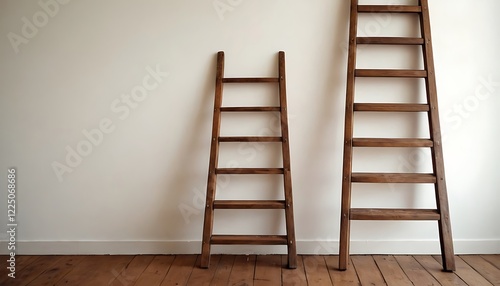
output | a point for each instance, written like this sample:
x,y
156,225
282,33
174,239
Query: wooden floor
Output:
x,y
150,270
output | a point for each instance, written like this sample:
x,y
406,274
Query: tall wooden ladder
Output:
x,y
211,203
437,177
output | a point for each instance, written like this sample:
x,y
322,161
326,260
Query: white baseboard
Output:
x,y
321,247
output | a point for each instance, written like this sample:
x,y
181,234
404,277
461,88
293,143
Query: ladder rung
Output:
x,y
249,171
249,79
250,109
250,139
394,214
250,204
391,107
389,41
390,73
249,239
391,142
393,178
389,9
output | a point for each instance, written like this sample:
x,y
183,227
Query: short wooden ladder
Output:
x,y
437,177
211,203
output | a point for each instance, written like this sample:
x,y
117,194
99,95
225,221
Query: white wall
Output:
x,y
68,76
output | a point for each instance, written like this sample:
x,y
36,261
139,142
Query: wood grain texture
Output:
x,y
466,273
416,272
156,271
243,270
316,271
297,276
349,277
103,269
391,271
436,270
252,270
57,270
223,271
203,277
483,267
267,270
180,270
367,270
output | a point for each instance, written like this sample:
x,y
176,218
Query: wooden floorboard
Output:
x,y
316,270
484,267
296,276
156,271
415,272
367,270
260,270
243,270
391,271
348,277
436,270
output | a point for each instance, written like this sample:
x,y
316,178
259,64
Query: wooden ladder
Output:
x,y
437,177
211,203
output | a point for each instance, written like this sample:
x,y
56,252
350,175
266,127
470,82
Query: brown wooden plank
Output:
x,y
223,271
296,276
466,273
156,271
344,278
250,109
180,270
483,267
367,270
391,271
415,272
243,270
31,271
389,9
250,139
287,174
345,223
493,259
393,178
394,214
389,41
249,171
390,73
133,270
249,79
391,107
316,270
249,239
435,269
96,270
391,142
57,270
213,163
249,204
203,277
444,225
267,270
